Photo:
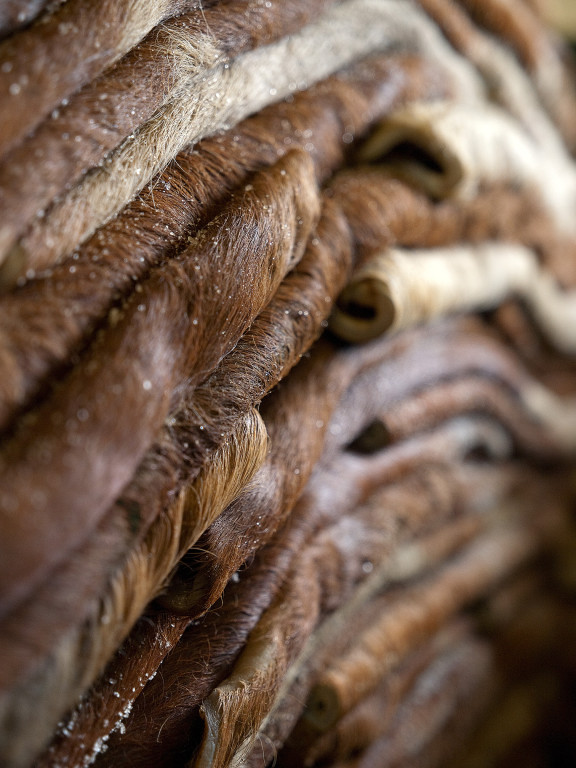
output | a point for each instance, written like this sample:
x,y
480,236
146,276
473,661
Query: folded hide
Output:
x,y
287,384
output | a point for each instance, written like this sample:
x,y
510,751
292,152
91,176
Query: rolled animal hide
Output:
x,y
224,553
374,715
219,639
452,150
292,692
226,741
399,289
231,534
242,353
52,331
431,712
49,61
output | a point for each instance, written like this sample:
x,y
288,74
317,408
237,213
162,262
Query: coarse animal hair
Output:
x,y
470,570
234,709
160,330
258,584
409,618
54,316
49,61
247,395
174,56
345,33
480,374
71,655
443,708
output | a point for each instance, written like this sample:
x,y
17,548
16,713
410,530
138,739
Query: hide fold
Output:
x,y
287,384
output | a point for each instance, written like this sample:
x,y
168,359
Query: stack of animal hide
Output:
x,y
287,384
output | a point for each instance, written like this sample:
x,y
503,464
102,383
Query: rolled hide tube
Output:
x,y
371,717
42,326
399,289
159,219
222,633
320,578
451,150
341,630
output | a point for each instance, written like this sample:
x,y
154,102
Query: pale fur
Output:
x,y
406,288
80,133
506,81
29,59
475,146
221,481
179,54
224,96
546,69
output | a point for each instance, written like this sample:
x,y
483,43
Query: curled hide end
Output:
x,y
407,145
398,289
452,150
364,311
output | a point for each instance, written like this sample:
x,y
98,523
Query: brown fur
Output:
x,y
253,590
129,425
193,181
439,712
231,540
51,60
330,505
411,617
386,713
79,134
44,322
370,718
67,658
167,350
350,627
50,318
229,711
340,37
274,562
